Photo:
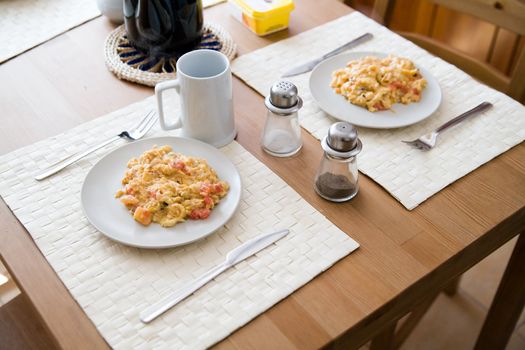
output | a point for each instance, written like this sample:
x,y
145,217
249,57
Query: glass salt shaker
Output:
x,y
337,178
282,132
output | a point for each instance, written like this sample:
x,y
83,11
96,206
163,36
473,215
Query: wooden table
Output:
x,y
405,256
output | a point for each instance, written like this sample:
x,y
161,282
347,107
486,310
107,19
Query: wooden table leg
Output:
x,y
406,328
385,339
452,288
507,304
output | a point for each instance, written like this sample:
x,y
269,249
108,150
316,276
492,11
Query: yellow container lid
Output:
x,y
260,9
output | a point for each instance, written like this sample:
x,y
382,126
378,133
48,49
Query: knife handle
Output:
x,y
348,45
173,299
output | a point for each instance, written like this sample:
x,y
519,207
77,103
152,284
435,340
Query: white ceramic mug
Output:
x,y
204,83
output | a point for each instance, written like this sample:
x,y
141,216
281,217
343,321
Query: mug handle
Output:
x,y
159,89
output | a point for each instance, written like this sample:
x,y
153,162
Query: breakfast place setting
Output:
x,y
246,174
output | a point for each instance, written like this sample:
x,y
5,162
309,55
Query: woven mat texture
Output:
x,y
410,175
28,23
25,24
113,283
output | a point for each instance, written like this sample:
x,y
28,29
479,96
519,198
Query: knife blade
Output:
x,y
235,256
308,66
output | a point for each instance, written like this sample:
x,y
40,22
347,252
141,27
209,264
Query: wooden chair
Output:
x,y
506,14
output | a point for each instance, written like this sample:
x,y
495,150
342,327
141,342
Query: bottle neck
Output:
x,y
284,116
332,152
338,159
283,111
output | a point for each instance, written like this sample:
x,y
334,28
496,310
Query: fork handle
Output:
x,y
68,161
478,109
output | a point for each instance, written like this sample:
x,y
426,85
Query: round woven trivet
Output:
x,y
129,63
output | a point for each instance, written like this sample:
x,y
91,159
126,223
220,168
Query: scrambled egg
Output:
x,y
377,84
167,187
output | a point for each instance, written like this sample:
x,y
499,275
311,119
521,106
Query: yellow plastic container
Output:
x,y
263,16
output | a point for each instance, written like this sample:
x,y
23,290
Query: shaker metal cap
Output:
x,y
342,140
283,98
342,136
283,94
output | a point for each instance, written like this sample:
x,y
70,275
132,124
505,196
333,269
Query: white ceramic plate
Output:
x,y
338,107
111,217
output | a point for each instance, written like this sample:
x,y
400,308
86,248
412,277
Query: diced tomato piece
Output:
x,y
217,188
205,189
180,165
201,213
142,215
415,91
394,86
208,201
379,106
398,85
153,194
129,190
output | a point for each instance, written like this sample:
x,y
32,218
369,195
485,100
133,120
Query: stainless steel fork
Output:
x,y
133,134
428,141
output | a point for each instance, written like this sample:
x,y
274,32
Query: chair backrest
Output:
x,y
507,14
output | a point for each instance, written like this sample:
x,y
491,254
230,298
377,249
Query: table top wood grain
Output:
x,y
404,257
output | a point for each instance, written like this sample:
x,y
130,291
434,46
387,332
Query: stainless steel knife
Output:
x,y
235,256
308,66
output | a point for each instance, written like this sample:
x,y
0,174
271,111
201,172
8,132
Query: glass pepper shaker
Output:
x,y
282,132
337,178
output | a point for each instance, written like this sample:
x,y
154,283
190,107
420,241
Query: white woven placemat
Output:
x,y
408,174
113,283
28,23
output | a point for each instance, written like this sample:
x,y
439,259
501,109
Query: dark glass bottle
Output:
x,y
163,27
